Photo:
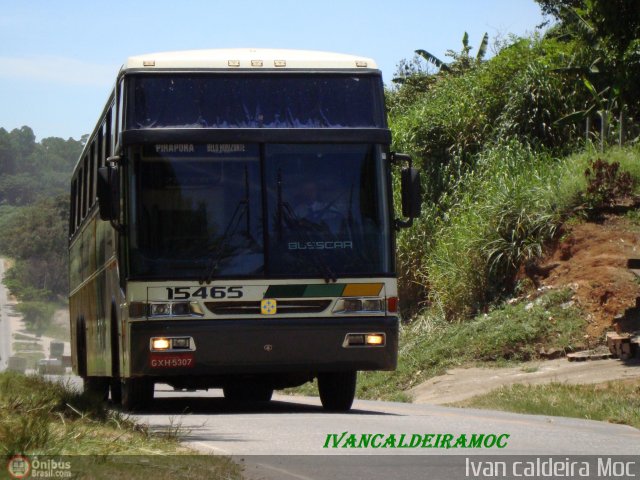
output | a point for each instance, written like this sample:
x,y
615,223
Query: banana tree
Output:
x,y
461,60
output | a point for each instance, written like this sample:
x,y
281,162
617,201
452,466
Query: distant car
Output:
x,y
50,366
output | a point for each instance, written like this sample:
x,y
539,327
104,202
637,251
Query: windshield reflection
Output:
x,y
201,213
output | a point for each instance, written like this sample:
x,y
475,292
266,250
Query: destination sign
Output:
x,y
199,149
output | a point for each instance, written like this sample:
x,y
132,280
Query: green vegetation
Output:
x,y
44,418
33,212
507,334
501,143
511,149
615,402
36,315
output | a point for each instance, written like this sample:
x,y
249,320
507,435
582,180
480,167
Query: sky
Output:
x,y
59,59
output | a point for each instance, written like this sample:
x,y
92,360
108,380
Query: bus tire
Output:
x,y
81,347
337,390
116,390
97,386
136,393
247,393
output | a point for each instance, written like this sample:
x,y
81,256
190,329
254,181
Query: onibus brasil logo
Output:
x,y
19,466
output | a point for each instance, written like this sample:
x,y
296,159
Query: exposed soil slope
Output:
x,y
591,259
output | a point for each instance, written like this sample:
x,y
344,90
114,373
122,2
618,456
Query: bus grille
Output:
x,y
253,308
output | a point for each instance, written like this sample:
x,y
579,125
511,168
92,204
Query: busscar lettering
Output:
x,y
320,245
175,148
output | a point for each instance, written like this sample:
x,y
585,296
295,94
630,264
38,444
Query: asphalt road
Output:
x,y
285,438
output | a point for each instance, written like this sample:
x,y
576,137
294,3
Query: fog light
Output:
x,y
160,344
180,342
374,339
364,340
355,339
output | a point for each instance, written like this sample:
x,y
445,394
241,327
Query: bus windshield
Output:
x,y
255,101
281,210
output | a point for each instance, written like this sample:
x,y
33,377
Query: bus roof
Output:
x,y
251,58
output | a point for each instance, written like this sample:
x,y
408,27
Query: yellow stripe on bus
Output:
x,y
362,290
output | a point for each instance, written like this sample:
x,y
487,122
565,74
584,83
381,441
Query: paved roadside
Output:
x,y
463,383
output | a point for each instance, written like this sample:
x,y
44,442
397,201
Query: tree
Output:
x,y
609,31
462,60
37,239
7,156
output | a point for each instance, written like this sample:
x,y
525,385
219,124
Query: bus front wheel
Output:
x,y
337,390
136,393
97,386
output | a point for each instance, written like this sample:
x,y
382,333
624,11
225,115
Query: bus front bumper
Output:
x,y
258,346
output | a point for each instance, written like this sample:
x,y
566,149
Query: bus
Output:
x,y
232,226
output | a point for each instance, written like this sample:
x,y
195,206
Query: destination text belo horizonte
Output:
x,y
416,440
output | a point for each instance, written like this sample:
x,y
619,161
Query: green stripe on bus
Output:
x,y
328,290
285,291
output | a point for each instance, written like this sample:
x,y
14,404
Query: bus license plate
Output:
x,y
168,360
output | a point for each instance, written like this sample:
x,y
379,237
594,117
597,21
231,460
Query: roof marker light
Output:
x,y
361,63
233,63
279,63
256,63
148,63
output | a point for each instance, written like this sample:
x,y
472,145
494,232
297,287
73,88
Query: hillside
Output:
x,y
591,260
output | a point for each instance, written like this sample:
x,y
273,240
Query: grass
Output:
x,y
614,402
504,336
45,418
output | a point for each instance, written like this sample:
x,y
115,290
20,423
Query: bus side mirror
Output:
x,y
105,190
411,192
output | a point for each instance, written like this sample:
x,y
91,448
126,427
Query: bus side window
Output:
x,y
100,150
108,139
92,175
72,206
85,186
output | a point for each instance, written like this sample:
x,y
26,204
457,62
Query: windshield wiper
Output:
x,y
242,208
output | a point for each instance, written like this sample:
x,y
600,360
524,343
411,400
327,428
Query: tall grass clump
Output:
x,y
504,214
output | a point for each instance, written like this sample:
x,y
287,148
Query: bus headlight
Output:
x,y
364,340
160,344
165,309
159,309
172,344
359,305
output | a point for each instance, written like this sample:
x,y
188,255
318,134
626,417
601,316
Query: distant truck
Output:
x,y
56,350
17,364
